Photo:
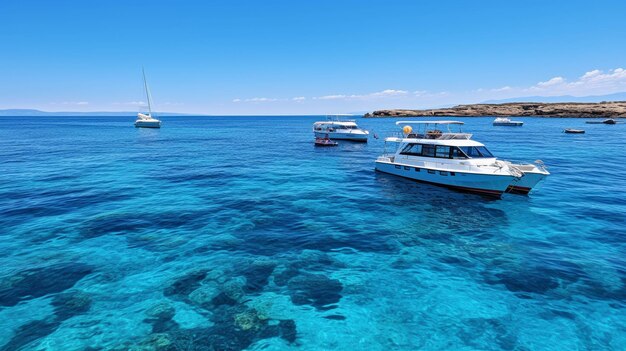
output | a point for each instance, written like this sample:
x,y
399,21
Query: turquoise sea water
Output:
x,y
231,233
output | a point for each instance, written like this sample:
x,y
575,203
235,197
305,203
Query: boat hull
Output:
x,y
525,184
508,124
485,184
326,144
342,136
147,124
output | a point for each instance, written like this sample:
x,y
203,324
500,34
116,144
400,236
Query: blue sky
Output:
x,y
304,57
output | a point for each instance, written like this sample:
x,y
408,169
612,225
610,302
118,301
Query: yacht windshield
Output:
x,y
444,151
476,151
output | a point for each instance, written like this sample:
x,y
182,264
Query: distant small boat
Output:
x,y
574,131
325,141
606,121
146,120
503,121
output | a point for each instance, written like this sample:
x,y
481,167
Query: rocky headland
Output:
x,y
518,109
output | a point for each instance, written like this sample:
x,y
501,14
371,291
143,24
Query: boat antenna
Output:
x,y
145,85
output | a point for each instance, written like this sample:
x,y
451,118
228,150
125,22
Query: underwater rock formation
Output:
x,y
236,328
69,304
160,317
248,319
30,332
234,288
66,305
478,332
316,290
257,274
36,282
235,325
184,285
204,295
283,276
537,280
162,310
287,329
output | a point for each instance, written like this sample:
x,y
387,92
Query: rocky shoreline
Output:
x,y
517,109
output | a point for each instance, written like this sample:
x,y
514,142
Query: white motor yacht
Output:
x,y
454,160
340,130
503,121
146,120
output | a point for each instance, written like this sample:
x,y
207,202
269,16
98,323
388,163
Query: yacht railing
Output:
x,y
337,119
450,136
433,136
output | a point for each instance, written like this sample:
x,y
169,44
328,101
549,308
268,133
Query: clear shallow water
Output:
x,y
237,233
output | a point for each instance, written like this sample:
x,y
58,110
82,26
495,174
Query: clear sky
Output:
x,y
304,57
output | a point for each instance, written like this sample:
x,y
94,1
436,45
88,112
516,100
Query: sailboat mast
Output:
x,y
145,85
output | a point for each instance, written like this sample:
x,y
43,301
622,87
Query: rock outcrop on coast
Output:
x,y
530,109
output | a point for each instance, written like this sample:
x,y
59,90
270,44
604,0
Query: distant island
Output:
x,y
518,109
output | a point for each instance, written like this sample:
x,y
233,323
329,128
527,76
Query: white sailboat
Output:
x,y
146,120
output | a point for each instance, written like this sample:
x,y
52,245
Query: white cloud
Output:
x,y
591,74
256,99
505,88
132,103
75,103
552,82
261,99
616,77
375,95
389,92
594,82
333,97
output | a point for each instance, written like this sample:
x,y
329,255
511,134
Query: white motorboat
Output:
x,y
340,130
454,160
503,121
146,120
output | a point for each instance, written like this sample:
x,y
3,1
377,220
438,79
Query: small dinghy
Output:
x,y
574,131
325,142
606,121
